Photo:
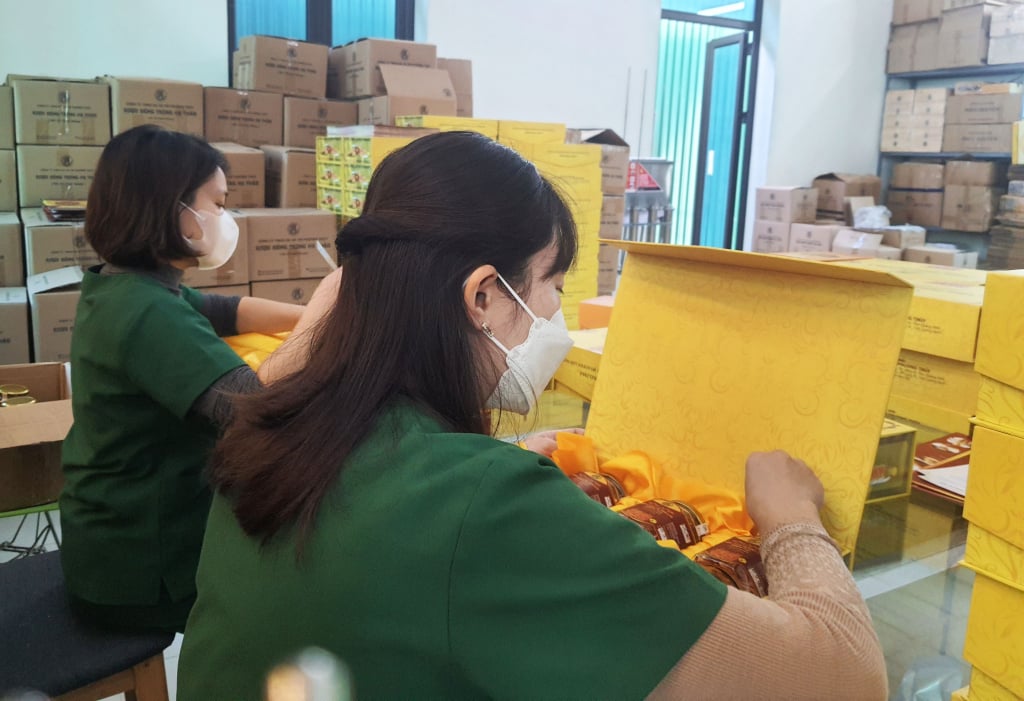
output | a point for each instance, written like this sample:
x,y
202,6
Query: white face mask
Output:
x,y
532,363
220,238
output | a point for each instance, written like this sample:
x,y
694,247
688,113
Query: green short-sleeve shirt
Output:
x,y
134,503
448,566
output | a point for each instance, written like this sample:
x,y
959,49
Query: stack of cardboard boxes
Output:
x,y
995,492
934,34
914,120
841,194
1006,248
973,191
780,210
1006,32
980,118
915,194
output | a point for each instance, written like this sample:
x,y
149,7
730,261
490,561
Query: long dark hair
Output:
x,y
132,215
435,211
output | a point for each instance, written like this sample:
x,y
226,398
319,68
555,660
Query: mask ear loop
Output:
x,y
517,297
490,334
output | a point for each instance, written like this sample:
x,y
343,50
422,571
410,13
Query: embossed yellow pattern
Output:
x,y
995,633
1001,336
995,485
994,557
985,688
714,354
1001,405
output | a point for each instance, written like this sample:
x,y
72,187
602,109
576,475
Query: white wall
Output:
x,y
181,39
554,60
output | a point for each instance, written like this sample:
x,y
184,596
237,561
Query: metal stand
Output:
x,y
43,532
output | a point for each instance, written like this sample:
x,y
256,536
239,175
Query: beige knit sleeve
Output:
x,y
811,638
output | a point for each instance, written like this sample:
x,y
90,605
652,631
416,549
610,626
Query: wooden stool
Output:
x,y
45,648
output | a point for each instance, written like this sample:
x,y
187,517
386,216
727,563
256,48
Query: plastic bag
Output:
x,y
876,217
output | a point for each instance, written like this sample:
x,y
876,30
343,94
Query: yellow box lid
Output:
x,y
712,354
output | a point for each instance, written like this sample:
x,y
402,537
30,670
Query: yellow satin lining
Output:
x,y
643,479
254,348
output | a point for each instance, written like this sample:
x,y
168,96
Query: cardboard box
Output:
x,y
852,242
513,133
963,36
811,238
1000,354
1007,21
246,174
834,188
282,65
918,176
282,243
487,127
978,138
901,49
913,122
974,173
12,260
983,109
996,617
61,112
8,181
614,156
788,205
910,11
978,87
899,102
927,46
579,370
920,208
596,313
461,72
171,104
969,207
306,119
53,301
6,117
1006,49
14,347
30,437
354,69
912,140
55,173
931,102
54,245
289,291
291,176
411,90
770,237
703,287
613,212
903,236
249,118
941,382
234,272
888,252
933,255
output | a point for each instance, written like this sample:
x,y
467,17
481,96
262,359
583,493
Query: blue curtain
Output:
x,y
356,19
283,18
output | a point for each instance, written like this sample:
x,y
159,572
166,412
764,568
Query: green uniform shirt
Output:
x,y
134,505
447,566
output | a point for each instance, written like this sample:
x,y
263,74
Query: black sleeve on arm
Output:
x,y
215,402
222,313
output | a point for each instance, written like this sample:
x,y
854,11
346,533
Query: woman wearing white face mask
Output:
x,y
150,379
440,563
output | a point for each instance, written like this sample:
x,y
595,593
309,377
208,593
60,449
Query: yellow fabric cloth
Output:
x,y
643,480
254,348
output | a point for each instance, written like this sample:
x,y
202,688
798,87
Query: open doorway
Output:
x,y
704,110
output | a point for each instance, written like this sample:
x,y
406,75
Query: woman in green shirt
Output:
x,y
149,377
362,507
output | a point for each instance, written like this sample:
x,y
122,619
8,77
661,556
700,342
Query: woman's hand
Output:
x,y
782,489
546,442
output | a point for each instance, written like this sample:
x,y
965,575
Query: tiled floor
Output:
x,y
906,569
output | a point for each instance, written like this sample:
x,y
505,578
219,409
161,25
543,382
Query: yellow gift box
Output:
x,y
959,694
994,557
713,354
513,133
995,485
940,382
554,410
1001,338
943,419
487,127
995,633
1000,406
946,308
578,371
985,688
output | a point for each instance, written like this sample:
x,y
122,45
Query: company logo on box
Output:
x,y
80,241
63,97
160,95
405,54
298,294
245,104
66,160
321,113
293,228
292,52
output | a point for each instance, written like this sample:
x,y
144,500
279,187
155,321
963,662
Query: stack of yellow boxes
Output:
x,y
487,127
347,157
575,170
995,498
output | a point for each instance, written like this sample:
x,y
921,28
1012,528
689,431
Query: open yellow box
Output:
x,y
713,354
1000,346
995,633
995,484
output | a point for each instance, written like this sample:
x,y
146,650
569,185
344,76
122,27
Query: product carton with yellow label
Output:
x,y
487,127
714,354
941,382
578,371
1000,352
516,134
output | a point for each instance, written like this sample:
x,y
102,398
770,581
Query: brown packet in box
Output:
x,y
668,519
602,488
736,563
